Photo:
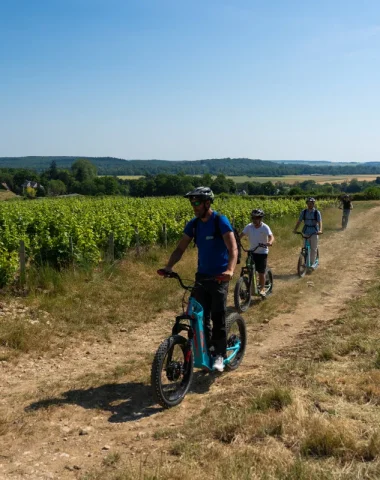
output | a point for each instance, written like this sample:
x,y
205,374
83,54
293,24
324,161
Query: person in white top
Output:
x,y
259,233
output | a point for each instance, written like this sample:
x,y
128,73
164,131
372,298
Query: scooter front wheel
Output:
x,y
172,371
301,266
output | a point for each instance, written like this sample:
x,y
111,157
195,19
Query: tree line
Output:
x,y
82,178
227,166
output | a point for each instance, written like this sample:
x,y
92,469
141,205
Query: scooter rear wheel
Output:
x,y
236,331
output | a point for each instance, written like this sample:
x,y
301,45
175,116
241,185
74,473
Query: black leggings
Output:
x,y
212,295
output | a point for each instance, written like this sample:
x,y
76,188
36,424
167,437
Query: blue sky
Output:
x,y
185,80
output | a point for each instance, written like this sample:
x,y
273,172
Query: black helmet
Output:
x,y
205,193
310,199
257,213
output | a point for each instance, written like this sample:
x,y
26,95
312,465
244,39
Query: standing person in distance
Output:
x,y
217,256
259,232
346,206
312,219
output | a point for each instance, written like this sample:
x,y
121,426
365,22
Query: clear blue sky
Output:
x,y
176,79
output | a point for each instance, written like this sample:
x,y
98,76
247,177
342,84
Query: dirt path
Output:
x,y
55,424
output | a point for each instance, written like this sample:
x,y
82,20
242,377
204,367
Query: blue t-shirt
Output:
x,y
311,219
212,251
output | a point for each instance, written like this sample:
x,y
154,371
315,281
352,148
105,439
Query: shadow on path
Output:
x,y
286,276
126,401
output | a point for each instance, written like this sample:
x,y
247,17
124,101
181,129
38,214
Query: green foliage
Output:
x,y
30,192
372,193
82,179
8,264
58,232
56,187
83,170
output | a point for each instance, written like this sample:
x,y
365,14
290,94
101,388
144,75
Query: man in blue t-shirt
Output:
x,y
217,256
312,219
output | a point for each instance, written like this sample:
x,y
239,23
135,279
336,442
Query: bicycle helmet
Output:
x,y
205,193
257,213
310,199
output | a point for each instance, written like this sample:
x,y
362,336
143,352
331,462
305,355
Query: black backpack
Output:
x,y
315,215
218,233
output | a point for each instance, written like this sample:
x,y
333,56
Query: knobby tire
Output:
x,y
165,396
235,327
301,266
268,282
242,294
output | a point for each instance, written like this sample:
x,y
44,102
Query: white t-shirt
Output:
x,y
257,235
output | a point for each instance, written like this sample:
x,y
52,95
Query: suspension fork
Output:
x,y
252,280
308,252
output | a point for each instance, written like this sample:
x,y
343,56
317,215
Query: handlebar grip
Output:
x,y
163,273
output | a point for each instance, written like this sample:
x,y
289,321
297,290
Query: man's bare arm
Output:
x,y
230,242
178,252
297,225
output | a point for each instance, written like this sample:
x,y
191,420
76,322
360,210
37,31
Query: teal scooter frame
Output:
x,y
304,264
176,357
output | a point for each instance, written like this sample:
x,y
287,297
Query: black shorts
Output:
x,y
260,260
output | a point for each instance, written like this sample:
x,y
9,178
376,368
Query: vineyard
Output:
x,y
64,231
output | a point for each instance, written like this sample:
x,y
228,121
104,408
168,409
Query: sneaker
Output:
x,y
262,292
218,363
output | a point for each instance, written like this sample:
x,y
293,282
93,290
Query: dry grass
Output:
x,y
4,423
95,302
312,416
91,303
290,179
6,195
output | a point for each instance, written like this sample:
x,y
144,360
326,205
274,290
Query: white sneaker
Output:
x,y
262,292
218,363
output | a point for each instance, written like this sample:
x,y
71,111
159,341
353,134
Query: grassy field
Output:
x,y
307,409
5,195
290,179
106,296
130,177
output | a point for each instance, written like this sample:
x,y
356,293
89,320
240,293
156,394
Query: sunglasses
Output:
x,y
196,203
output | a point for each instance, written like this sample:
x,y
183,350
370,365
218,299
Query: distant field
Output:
x,y
291,179
129,177
5,195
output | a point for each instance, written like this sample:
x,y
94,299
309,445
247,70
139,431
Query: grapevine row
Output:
x,y
60,231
